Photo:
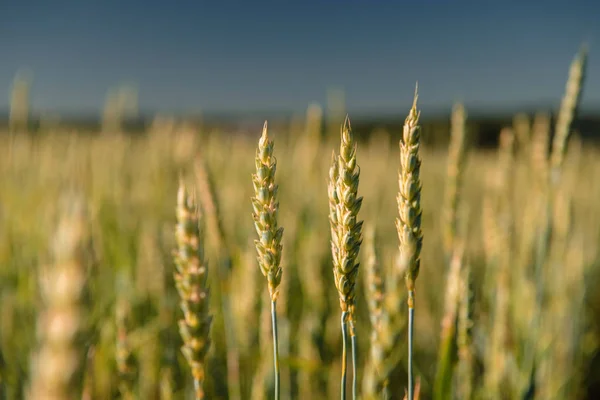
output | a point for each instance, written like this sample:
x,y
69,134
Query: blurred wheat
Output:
x,y
508,272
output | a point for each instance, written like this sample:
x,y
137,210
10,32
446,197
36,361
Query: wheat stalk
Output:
x,y
268,246
568,111
374,279
376,376
464,339
408,223
344,205
443,379
191,281
224,250
501,259
455,170
59,363
260,380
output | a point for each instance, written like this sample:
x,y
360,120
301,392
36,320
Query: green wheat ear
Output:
x,y
191,281
266,206
408,222
344,205
268,245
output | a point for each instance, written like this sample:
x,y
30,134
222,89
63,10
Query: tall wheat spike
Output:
x,y
408,223
385,301
568,111
456,165
224,250
191,281
454,251
498,355
344,205
57,371
374,288
552,243
268,245
374,279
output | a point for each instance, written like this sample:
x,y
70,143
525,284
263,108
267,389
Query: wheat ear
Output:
x,y
58,368
568,111
375,384
456,165
408,223
268,246
191,281
224,251
344,205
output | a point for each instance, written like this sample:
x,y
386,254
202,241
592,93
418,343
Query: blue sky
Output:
x,y
281,55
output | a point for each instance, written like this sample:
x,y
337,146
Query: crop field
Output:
x,y
155,266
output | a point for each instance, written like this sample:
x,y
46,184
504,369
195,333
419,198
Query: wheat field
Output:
x,y
90,285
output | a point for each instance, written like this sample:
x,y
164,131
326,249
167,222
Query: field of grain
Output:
x,y
90,284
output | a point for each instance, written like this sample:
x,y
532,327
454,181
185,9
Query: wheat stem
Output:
x,y
344,355
464,338
411,319
354,356
445,365
275,347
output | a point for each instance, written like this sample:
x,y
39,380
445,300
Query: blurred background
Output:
x,y
117,101
264,60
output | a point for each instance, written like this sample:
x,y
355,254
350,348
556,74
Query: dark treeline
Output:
x,y
483,130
